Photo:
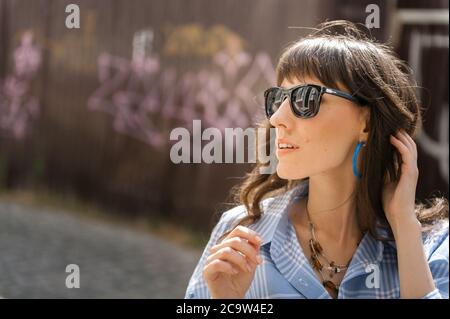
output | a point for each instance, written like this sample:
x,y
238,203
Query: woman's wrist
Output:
x,y
406,227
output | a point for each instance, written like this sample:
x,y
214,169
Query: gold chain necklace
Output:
x,y
330,266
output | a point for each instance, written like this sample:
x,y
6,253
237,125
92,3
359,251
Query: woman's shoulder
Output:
x,y
436,241
231,215
271,209
271,205
235,214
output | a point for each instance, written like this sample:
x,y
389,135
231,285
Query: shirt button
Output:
x,y
303,283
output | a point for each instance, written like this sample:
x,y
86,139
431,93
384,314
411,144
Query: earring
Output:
x,y
355,158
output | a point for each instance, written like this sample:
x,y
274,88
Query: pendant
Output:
x,y
315,244
330,285
316,263
334,268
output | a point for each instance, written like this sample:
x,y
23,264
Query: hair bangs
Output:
x,y
321,58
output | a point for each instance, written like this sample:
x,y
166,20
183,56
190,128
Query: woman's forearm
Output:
x,y
414,272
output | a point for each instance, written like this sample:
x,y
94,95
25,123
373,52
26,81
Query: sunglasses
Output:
x,y
304,99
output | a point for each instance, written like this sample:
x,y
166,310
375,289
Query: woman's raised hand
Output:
x,y
230,268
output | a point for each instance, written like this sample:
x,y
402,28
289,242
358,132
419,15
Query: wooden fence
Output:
x,y
90,110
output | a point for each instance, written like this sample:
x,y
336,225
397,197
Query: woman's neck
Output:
x,y
331,207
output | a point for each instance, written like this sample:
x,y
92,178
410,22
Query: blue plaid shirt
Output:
x,y
286,272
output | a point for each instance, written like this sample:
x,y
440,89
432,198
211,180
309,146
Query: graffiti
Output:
x,y
194,41
437,149
83,41
146,98
17,106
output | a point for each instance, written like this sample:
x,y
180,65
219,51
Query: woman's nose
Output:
x,y
282,116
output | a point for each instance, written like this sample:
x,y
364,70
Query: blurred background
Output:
x,y
86,113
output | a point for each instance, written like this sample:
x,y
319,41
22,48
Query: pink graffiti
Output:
x,y
146,100
17,107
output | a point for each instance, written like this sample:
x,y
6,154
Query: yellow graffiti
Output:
x,y
81,41
192,40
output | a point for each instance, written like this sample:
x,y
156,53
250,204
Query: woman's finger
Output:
x,y
241,245
408,161
232,256
247,233
218,266
404,137
412,142
402,148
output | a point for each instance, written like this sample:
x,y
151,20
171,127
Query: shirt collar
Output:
x,y
274,209
274,225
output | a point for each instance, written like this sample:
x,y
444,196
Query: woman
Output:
x,y
338,219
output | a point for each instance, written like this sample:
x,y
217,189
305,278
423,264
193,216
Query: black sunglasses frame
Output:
x,y
321,89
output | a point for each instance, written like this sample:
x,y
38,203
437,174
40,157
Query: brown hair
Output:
x,y
341,52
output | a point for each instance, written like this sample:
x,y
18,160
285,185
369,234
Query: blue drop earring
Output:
x,y
355,159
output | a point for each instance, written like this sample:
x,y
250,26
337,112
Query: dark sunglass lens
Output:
x,y
306,101
313,99
273,101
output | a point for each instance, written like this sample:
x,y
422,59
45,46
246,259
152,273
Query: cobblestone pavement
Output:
x,y
114,262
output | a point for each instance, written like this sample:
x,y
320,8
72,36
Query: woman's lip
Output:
x,y
284,151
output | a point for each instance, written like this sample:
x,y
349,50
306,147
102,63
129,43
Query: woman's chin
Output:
x,y
289,173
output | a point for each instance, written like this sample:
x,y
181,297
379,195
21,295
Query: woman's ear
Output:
x,y
364,123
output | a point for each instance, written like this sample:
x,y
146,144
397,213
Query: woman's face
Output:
x,y
324,143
